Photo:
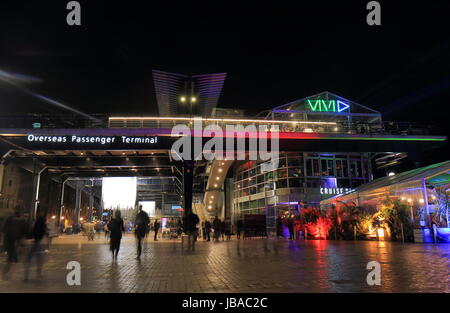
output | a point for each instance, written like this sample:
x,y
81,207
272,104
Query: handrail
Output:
x,y
52,121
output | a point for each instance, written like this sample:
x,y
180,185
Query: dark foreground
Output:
x,y
256,265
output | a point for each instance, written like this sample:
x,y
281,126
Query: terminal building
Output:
x,y
328,145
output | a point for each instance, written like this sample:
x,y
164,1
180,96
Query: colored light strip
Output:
x,y
299,135
219,120
282,135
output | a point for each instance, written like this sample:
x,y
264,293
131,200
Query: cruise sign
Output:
x,y
334,191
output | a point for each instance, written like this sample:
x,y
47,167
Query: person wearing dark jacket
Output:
x,y
116,228
223,229
141,225
291,228
39,231
208,230
14,229
191,229
216,226
156,226
239,226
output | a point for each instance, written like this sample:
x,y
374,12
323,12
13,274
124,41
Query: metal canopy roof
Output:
x,y
99,163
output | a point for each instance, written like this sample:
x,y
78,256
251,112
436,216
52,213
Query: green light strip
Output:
x,y
387,138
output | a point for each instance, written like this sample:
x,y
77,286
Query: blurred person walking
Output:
x,y
14,229
141,226
52,232
239,228
291,228
116,228
106,230
191,229
89,228
223,229
216,226
279,227
207,230
39,231
156,226
98,229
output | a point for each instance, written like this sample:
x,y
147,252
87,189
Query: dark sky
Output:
x,y
272,54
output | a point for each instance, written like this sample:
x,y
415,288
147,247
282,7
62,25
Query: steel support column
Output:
x,y
188,179
36,185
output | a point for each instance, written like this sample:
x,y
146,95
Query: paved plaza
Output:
x,y
252,265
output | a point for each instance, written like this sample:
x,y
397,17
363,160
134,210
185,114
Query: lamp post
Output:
x,y
189,96
192,99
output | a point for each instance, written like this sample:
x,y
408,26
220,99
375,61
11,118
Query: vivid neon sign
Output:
x,y
327,105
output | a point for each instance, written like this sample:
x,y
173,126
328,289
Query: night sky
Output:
x,y
272,54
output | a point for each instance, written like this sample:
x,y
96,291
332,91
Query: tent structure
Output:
x,y
325,106
426,190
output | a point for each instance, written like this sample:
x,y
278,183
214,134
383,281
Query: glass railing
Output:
x,y
46,121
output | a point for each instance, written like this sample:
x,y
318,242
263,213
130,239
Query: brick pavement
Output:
x,y
254,265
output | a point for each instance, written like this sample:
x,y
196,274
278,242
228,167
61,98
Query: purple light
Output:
x,y
288,203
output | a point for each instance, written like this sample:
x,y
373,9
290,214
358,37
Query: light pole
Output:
x,y
191,97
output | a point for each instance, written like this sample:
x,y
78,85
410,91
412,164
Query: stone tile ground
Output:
x,y
253,265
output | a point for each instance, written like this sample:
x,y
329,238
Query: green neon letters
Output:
x,y
327,105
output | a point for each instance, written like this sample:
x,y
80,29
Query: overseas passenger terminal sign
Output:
x,y
68,142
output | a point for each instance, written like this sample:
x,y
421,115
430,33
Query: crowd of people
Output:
x,y
16,228
221,229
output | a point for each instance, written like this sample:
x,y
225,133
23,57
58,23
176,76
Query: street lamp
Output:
x,y
192,99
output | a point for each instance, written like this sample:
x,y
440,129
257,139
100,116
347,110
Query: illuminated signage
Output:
x,y
92,139
334,191
327,105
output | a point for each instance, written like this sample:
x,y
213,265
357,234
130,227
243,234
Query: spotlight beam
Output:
x,y
16,80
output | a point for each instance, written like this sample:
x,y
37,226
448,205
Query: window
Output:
x,y
316,171
296,182
331,167
281,173
355,167
339,172
295,161
268,176
324,165
309,167
294,172
345,168
260,179
282,161
282,183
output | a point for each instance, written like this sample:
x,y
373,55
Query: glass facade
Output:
x,y
301,179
